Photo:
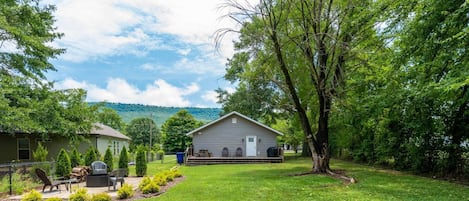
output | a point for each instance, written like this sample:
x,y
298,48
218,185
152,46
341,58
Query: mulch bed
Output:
x,y
139,195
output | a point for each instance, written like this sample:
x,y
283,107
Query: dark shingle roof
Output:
x,y
101,129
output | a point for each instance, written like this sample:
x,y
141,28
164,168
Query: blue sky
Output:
x,y
154,52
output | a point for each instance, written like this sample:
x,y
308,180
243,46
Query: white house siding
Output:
x,y
226,133
115,144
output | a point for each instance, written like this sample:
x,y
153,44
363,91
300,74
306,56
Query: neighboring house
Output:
x,y
235,136
20,146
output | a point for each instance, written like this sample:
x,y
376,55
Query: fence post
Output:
x,y
9,173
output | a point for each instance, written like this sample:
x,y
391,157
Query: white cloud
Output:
x,y
210,96
111,27
119,90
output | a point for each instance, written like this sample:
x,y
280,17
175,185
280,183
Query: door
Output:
x,y
251,145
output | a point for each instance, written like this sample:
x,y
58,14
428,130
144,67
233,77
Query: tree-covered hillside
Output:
x,y
160,114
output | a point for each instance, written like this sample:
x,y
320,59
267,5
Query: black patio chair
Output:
x,y
117,175
47,182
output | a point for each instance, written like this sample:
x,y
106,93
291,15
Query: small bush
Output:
x,y
169,175
140,163
151,187
160,154
176,172
108,160
63,167
125,192
90,156
80,195
160,180
145,181
75,159
19,182
124,159
101,197
33,195
40,154
54,199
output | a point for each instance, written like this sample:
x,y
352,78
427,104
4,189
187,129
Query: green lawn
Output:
x,y
273,182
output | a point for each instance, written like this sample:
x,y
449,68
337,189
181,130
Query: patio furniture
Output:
x,y
117,175
98,168
47,182
225,152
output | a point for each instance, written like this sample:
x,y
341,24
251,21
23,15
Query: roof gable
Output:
x,y
101,129
239,115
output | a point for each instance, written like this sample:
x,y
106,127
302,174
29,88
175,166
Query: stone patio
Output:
x,y
64,194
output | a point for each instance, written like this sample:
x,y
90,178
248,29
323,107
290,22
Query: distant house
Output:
x,y
20,146
234,137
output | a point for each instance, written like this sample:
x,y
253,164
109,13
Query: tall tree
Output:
x,y
111,118
175,128
305,46
140,129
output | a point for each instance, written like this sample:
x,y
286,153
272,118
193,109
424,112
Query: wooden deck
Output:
x,y
194,160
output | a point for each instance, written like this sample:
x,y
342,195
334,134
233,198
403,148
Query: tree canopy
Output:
x,y
174,131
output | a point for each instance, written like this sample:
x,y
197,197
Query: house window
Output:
x,y
234,120
116,147
23,149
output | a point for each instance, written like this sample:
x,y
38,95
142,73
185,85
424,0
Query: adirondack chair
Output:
x,y
47,182
117,175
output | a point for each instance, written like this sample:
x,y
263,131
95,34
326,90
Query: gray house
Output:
x,y
19,146
234,137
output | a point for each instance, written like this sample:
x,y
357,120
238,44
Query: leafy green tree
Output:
x,y
63,167
301,46
108,160
90,156
140,162
124,158
175,128
139,130
110,117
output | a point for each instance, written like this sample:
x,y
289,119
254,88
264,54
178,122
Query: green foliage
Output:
x,y
160,154
139,130
144,182
125,192
159,114
174,131
40,155
160,180
124,158
108,159
19,181
75,158
90,156
141,163
101,197
80,195
63,167
111,118
151,187
33,195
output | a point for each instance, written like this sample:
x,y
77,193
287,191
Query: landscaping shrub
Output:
x,y
125,192
140,163
145,181
33,195
151,187
75,159
80,195
124,159
176,172
160,180
54,199
108,160
90,156
101,197
159,154
169,175
40,155
63,167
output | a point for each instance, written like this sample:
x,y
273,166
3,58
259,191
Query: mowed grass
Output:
x,y
275,182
